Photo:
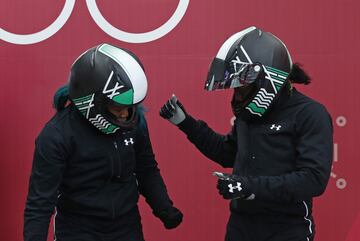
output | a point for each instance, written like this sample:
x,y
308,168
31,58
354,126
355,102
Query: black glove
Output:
x,y
173,111
171,217
233,187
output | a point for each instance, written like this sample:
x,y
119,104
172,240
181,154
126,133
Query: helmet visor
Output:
x,y
225,75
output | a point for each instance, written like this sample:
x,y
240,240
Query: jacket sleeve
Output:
x,y
46,175
218,148
150,182
314,145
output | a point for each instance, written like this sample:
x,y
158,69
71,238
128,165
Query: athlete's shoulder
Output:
x,y
307,102
311,112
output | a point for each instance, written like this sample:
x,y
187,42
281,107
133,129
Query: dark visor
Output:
x,y
223,75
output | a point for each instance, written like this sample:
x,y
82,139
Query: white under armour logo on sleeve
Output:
x,y
232,188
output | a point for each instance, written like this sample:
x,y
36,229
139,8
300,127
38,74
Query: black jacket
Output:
x,y
286,155
82,171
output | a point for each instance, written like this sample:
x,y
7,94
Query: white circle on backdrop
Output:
x,y
118,34
341,183
43,34
341,121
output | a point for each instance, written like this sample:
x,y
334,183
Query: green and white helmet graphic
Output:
x,y
107,75
255,59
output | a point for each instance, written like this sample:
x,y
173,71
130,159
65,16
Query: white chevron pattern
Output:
x,y
265,96
259,103
252,112
262,100
101,123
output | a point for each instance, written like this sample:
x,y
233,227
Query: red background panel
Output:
x,y
323,35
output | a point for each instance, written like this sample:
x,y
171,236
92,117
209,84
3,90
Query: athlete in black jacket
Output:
x,y
94,157
280,147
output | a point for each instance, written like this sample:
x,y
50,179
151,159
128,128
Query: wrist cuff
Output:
x,y
188,124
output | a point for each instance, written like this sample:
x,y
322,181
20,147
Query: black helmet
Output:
x,y
107,75
251,57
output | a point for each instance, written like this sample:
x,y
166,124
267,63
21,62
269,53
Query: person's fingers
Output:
x,y
166,111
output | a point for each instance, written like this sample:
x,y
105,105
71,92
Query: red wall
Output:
x,y
323,35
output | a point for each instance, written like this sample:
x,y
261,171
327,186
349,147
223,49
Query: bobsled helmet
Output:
x,y
105,76
255,60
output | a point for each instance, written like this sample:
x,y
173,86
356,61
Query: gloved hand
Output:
x,y
173,111
171,217
233,187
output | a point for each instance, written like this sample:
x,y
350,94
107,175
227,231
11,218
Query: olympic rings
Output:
x,y
137,37
101,22
43,34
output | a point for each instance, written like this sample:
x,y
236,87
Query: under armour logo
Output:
x,y
276,127
232,188
128,141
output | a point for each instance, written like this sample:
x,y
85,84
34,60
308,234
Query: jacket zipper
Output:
x,y
119,160
113,174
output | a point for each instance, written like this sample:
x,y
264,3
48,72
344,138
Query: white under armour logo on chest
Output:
x,y
276,127
129,141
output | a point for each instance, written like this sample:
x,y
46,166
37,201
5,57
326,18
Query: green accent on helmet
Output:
x,y
278,86
110,129
277,71
111,52
84,104
84,98
276,77
83,112
256,109
125,98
